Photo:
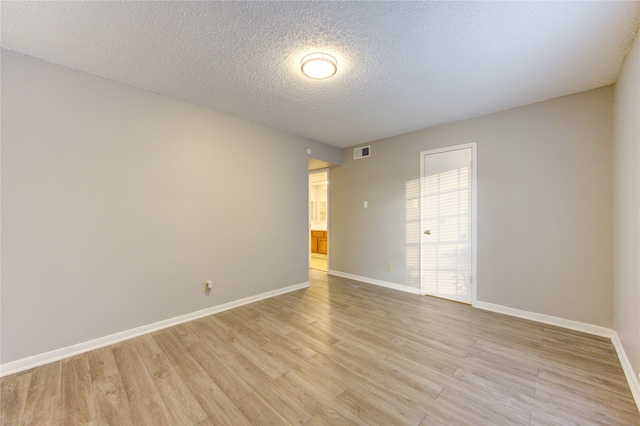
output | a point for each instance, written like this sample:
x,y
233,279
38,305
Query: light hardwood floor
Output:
x,y
318,262
340,352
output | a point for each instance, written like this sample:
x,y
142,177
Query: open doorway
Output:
x,y
319,220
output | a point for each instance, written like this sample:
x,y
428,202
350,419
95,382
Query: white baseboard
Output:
x,y
632,379
547,319
66,352
373,281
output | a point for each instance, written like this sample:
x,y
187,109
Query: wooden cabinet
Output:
x,y
319,242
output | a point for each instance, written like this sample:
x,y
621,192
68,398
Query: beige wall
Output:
x,y
627,207
118,203
545,215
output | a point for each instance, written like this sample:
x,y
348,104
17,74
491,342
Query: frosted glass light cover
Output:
x,y
319,65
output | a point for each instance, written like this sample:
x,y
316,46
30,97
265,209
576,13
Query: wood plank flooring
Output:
x,y
318,262
338,353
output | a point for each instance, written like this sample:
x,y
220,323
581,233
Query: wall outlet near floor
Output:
x,y
389,266
207,287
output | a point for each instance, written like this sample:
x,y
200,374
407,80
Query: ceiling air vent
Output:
x,y
362,152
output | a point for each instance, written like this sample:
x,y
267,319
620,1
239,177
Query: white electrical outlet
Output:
x,y
389,266
207,287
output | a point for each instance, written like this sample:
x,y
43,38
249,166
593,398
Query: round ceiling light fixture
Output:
x,y
318,65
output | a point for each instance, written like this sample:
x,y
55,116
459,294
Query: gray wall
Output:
x,y
118,203
545,207
627,207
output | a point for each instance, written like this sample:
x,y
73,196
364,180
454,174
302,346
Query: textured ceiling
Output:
x,y
403,66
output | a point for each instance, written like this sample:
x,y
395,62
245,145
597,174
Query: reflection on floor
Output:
x,y
318,261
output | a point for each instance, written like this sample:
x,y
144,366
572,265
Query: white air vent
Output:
x,y
362,152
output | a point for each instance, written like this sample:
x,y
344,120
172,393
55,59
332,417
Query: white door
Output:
x,y
447,217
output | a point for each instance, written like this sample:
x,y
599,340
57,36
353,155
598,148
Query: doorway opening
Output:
x,y
319,220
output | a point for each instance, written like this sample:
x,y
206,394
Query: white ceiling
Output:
x,y
403,66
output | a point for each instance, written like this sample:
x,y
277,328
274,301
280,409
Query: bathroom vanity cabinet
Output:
x,y
319,242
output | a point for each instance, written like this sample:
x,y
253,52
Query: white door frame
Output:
x,y
474,212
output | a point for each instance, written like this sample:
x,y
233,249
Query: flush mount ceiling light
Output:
x,y
319,65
